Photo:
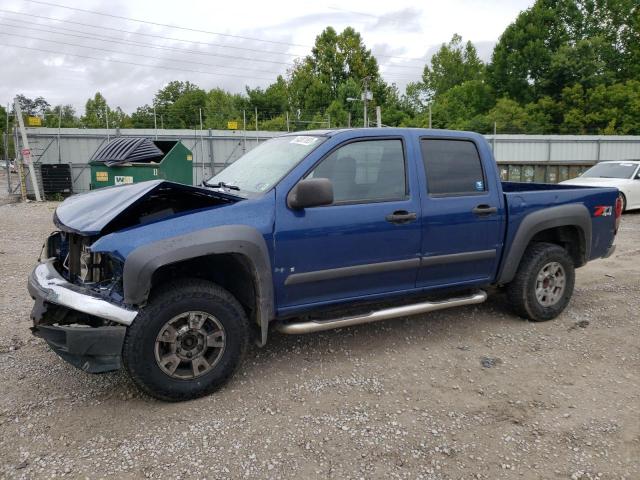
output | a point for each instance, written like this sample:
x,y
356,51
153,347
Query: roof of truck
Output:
x,y
385,130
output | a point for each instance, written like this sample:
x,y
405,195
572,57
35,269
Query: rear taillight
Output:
x,y
618,212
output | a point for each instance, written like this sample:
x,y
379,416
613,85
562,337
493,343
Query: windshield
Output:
x,y
261,168
611,170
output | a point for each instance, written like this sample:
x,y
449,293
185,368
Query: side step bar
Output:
x,y
384,314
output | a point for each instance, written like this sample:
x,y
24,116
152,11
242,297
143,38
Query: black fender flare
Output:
x,y
570,215
142,262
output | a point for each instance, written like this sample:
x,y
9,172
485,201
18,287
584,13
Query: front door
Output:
x,y
366,243
461,216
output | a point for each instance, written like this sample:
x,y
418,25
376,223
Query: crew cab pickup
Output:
x,y
307,232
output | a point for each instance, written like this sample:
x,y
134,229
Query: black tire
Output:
x,y
521,292
171,300
623,199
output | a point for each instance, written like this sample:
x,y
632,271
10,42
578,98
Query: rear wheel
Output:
x,y
543,284
623,200
187,342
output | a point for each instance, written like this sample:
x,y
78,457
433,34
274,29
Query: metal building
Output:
x,y
554,158
543,158
212,149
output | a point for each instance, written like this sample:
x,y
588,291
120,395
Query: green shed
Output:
x,y
131,160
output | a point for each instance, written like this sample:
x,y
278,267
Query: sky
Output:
x,y
134,47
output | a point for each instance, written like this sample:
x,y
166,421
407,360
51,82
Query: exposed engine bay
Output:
x,y
102,212
75,261
71,247
167,200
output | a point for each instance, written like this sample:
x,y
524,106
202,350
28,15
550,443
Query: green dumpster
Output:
x,y
132,160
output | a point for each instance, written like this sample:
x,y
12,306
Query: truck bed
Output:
x,y
511,187
522,199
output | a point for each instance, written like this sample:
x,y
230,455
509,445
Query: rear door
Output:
x,y
461,215
366,243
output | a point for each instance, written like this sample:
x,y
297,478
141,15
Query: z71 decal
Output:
x,y
603,211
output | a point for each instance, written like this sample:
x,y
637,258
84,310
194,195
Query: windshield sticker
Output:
x,y
304,140
480,186
627,164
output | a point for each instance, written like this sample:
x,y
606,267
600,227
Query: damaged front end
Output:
x,y
80,309
78,306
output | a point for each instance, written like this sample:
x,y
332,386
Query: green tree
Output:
x,y
37,106
508,117
170,93
460,104
222,107
273,100
318,80
68,118
179,103
454,64
95,112
185,111
556,43
605,109
143,118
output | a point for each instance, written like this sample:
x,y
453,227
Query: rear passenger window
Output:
x,y
453,167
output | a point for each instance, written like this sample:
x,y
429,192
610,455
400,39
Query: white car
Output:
x,y
623,174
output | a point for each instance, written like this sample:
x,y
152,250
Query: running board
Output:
x,y
384,314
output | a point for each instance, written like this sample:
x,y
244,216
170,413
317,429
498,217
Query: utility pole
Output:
x,y
429,114
287,120
201,144
26,151
244,131
365,95
349,119
21,174
379,116
59,125
106,116
257,141
6,152
493,143
155,121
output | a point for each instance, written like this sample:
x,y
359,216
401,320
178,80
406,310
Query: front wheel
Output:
x,y
543,284
187,341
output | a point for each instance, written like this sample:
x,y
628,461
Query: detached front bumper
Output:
x,y
46,285
92,349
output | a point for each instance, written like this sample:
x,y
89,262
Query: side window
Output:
x,y
453,167
364,171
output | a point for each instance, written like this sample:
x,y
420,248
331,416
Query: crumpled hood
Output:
x,y
89,213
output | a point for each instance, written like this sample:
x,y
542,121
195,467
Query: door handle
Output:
x,y
401,216
484,210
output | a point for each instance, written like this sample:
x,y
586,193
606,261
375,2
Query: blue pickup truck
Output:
x,y
307,232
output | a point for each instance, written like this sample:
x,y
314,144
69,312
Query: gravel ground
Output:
x,y
469,393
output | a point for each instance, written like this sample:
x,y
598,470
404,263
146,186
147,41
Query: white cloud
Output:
x,y
403,30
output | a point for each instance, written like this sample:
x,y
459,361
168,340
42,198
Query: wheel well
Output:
x,y
233,272
570,238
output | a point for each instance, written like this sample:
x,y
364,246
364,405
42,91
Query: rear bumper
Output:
x,y
92,349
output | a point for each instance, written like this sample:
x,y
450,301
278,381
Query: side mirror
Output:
x,y
311,192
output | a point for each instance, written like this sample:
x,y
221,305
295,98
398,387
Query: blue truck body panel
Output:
x,y
342,253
